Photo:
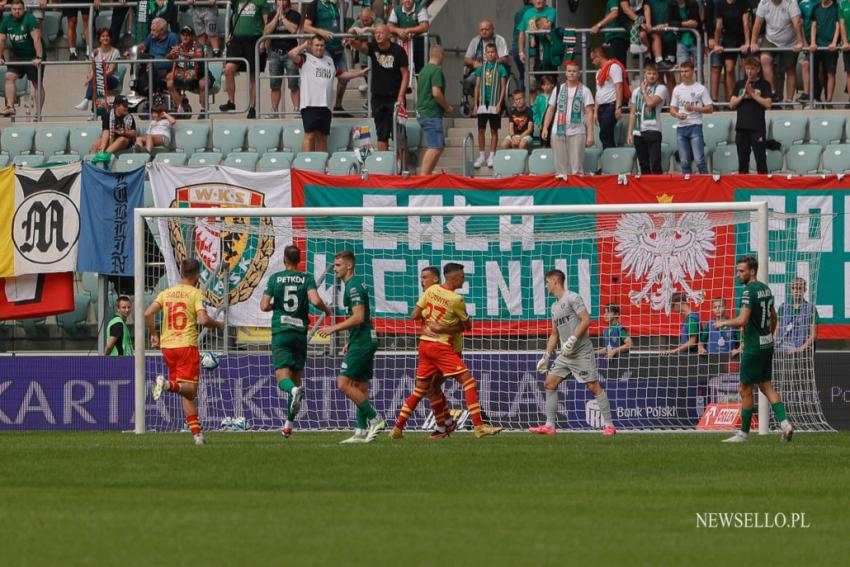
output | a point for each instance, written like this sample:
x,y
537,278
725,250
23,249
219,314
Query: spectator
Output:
x,y
557,47
431,105
147,11
25,48
34,7
751,97
104,55
489,99
806,8
571,110
119,129
689,335
731,31
187,74
205,22
474,56
408,20
518,16
689,102
797,328
71,15
520,123
390,77
633,17
317,75
723,340
159,44
685,14
322,18
527,50
844,21
615,337
158,132
783,30
365,25
610,93
662,42
645,121
285,20
116,23
119,343
616,40
541,104
249,19
824,33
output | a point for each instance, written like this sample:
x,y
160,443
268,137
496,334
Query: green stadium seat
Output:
x,y
618,160
228,137
74,323
293,138
51,25
171,158
215,69
836,158
82,138
414,135
724,160
380,163
343,163
275,161
35,327
826,129
310,161
775,161
28,160
620,132
591,160
264,137
668,132
204,159
17,140
4,161
715,131
191,138
242,160
148,202
789,129
509,162
129,162
63,158
804,159
51,140
666,155
541,162
340,138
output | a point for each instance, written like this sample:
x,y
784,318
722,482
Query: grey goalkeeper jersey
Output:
x,y
565,316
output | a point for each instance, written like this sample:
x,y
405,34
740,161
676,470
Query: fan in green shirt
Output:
x,y
20,29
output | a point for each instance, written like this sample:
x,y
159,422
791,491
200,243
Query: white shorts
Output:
x,y
205,21
581,368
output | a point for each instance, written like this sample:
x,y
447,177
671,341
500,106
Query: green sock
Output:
x,y
286,385
746,419
779,411
361,419
367,409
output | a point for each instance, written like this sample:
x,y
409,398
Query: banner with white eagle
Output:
x,y
235,265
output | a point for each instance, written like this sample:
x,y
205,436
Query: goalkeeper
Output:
x,y
286,296
570,322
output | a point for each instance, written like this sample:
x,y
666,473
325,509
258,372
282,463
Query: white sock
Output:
x,y
359,432
287,425
481,154
551,408
72,49
784,422
605,408
658,60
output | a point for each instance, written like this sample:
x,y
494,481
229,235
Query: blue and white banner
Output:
x,y
106,212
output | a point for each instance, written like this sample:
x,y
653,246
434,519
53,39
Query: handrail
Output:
x,y
468,143
400,163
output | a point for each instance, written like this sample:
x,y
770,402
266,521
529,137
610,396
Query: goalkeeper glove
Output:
x,y
569,345
543,363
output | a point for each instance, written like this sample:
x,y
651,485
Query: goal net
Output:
x,y
662,272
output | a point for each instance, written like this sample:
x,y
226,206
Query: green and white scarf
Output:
x,y
576,108
642,111
493,82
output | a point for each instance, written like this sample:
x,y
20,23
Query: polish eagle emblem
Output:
x,y
664,252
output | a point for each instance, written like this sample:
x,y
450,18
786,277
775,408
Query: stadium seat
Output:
x,y
129,161
414,135
264,137
215,69
4,161
171,158
380,163
789,129
343,163
35,327
836,158
50,26
148,201
242,160
89,281
17,140
82,138
509,162
274,161
666,155
618,160
541,162
28,160
724,160
826,129
73,323
311,161
293,138
228,137
715,131
775,161
804,159
63,158
204,158
668,132
340,138
591,160
620,132
51,140
191,138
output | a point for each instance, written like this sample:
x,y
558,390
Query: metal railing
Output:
x,y
401,154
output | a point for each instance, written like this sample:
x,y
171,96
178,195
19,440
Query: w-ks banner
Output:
x,y
235,265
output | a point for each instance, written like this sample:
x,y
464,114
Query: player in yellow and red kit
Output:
x,y
183,309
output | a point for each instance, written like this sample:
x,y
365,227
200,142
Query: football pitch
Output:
x,y
572,499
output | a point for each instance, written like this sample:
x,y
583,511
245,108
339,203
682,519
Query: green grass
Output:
x,y
256,499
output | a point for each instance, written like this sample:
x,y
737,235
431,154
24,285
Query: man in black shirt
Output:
x,y
285,20
751,97
119,128
390,75
732,31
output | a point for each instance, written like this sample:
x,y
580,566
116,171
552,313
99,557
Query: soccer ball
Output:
x,y
209,361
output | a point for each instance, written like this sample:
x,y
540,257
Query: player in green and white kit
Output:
x,y
358,364
757,316
286,296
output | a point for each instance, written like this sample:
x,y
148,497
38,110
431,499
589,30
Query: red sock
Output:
x,y
439,407
470,392
193,423
409,406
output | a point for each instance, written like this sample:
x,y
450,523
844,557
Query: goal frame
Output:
x,y
140,216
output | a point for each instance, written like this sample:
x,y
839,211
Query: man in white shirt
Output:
x,y
474,56
645,121
609,93
689,102
571,107
783,28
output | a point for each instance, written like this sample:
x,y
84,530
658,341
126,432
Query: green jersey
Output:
x,y
288,290
325,16
18,33
250,21
606,35
826,20
356,293
758,298
806,7
430,76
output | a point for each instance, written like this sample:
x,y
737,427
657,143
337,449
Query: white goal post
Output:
x,y
754,214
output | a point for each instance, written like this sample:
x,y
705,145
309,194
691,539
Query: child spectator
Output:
x,y
187,74
573,113
824,33
541,103
690,333
615,337
645,121
520,124
119,129
488,101
806,9
158,132
725,339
